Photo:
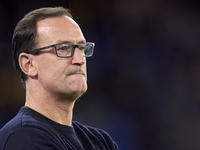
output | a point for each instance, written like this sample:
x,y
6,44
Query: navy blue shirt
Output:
x,y
29,130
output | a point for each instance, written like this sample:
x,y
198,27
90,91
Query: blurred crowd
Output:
x,y
144,77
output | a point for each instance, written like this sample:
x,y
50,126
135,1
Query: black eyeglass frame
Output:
x,y
72,51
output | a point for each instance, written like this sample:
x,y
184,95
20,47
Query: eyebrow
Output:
x,y
79,42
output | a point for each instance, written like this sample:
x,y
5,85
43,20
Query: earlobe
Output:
x,y
26,65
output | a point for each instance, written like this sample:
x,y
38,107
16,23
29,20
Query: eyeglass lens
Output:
x,y
67,50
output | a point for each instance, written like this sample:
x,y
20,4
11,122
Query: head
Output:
x,y
25,36
64,77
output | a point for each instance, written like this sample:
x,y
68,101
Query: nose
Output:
x,y
78,58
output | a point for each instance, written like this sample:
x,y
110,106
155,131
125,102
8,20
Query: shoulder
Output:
x,y
95,134
30,138
20,120
9,128
25,130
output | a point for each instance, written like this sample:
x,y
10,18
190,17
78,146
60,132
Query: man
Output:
x,y
49,53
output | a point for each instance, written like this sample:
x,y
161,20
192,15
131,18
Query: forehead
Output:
x,y
62,28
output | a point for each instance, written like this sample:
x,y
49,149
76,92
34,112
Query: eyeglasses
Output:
x,y
67,49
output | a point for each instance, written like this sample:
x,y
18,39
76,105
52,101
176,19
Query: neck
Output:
x,y
60,114
58,111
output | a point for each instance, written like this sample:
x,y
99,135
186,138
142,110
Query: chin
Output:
x,y
76,86
79,85
81,91
74,94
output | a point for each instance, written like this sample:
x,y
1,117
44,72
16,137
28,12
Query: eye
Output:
x,y
63,47
81,47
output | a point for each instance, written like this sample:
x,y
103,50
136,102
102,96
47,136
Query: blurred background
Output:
x,y
144,77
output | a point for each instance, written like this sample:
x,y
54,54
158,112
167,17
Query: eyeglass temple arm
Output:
x,y
39,49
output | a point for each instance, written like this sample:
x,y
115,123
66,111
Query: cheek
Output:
x,y
47,67
51,76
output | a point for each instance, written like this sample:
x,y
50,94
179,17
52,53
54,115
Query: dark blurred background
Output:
x,y
144,77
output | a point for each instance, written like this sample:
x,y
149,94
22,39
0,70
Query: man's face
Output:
x,y
64,78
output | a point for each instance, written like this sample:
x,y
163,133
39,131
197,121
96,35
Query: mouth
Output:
x,y
76,73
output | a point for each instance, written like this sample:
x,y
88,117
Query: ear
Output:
x,y
26,64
